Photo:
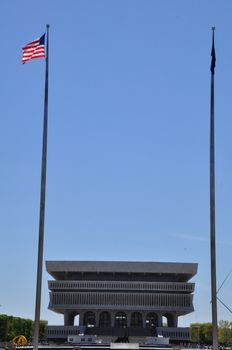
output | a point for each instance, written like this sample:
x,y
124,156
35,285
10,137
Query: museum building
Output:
x,y
113,298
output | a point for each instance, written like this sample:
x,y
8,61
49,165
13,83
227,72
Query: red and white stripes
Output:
x,y
35,49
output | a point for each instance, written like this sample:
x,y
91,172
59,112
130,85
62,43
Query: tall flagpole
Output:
x,y
42,206
212,204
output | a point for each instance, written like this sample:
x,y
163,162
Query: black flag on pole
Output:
x,y
213,55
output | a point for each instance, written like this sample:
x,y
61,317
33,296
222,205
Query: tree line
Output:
x,y
11,326
201,333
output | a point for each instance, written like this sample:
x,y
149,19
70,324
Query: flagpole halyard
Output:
x,y
42,206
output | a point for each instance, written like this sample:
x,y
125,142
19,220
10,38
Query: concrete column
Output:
x,y
112,314
171,320
81,318
65,318
144,316
175,320
69,318
97,313
128,319
160,321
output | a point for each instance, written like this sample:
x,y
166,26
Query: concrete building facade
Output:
x,y
140,298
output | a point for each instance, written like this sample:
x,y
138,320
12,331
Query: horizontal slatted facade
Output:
x,y
108,285
111,300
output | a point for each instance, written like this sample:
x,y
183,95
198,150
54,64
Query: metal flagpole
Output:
x,y
212,204
42,207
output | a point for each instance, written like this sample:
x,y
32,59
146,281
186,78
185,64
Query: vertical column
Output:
x,y
160,320
81,318
112,314
171,320
128,319
68,318
144,315
175,320
97,318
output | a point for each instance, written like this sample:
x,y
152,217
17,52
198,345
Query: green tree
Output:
x,y
225,332
195,332
202,332
28,328
11,326
43,330
206,330
4,327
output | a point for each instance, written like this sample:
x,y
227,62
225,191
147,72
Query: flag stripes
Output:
x,y
34,49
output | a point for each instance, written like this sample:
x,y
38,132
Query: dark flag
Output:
x,y
213,55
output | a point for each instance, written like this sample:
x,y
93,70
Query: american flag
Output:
x,y
35,49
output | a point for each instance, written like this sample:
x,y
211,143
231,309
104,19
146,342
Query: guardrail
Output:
x,y
180,333
61,332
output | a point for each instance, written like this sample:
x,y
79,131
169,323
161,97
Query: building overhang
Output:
x,y
61,269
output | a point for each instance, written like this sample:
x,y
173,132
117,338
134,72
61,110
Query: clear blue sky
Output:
x,y
128,150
